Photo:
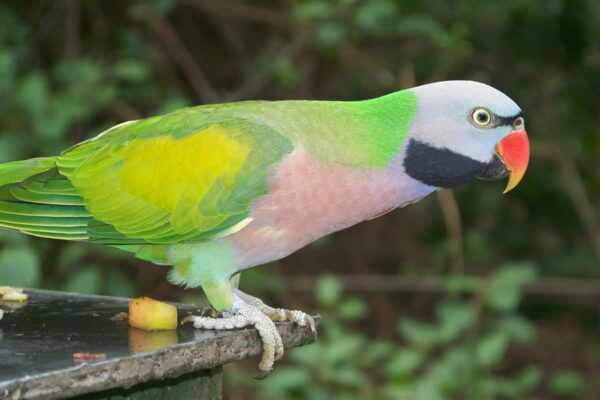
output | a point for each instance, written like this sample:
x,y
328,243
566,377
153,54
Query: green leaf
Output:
x,y
19,266
331,34
378,350
70,254
455,318
398,391
350,376
530,378
284,380
418,333
423,25
376,16
462,284
344,348
353,308
494,387
12,238
85,280
11,148
567,382
308,356
314,9
8,61
171,103
78,72
33,94
404,363
505,286
517,328
133,71
490,349
117,284
286,74
329,290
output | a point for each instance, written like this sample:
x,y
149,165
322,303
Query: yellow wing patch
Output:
x,y
188,176
165,171
163,186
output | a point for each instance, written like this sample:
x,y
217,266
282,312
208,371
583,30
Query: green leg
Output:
x,y
211,265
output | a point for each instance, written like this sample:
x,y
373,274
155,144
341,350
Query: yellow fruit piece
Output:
x,y
8,293
8,289
152,315
14,296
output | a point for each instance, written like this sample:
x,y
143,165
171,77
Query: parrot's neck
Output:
x,y
363,134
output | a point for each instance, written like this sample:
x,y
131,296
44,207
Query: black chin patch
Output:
x,y
440,167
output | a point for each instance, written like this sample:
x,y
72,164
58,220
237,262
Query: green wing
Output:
x,y
183,177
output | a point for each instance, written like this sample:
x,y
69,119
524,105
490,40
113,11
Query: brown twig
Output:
x,y
184,59
451,216
575,189
259,79
72,35
124,111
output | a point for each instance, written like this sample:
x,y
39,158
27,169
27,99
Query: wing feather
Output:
x,y
172,179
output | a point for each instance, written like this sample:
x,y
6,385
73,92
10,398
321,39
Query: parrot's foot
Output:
x,y
279,314
241,315
209,311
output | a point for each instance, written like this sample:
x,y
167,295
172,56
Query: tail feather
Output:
x,y
37,200
18,171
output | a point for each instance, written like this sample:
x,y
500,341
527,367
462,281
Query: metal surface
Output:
x,y
38,340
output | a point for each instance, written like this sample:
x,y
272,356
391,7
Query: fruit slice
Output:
x,y
152,315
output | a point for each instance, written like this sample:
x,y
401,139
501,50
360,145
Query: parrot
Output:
x,y
212,190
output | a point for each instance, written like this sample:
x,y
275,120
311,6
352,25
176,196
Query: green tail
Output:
x,y
18,171
37,200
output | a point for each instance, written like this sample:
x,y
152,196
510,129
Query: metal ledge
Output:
x,y
39,338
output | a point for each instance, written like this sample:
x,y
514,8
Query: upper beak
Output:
x,y
513,150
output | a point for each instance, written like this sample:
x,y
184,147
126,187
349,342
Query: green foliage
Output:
x,y
328,290
503,295
568,382
85,280
458,354
19,266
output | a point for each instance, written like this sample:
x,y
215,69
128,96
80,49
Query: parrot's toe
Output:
x,y
242,315
301,319
262,374
279,352
279,314
209,311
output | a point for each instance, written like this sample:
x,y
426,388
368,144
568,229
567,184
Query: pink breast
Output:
x,y
309,199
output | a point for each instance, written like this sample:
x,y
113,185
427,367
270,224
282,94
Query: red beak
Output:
x,y
514,152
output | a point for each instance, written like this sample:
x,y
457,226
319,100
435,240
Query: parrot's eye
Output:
x,y
481,117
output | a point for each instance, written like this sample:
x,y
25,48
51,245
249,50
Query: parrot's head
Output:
x,y
464,130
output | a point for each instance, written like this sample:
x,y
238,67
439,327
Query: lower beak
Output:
x,y
513,150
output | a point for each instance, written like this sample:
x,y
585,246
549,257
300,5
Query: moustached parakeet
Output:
x,y
215,189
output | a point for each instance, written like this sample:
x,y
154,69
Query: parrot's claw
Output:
x,y
241,315
279,314
301,319
246,311
209,311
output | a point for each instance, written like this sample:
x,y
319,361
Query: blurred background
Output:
x,y
468,294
